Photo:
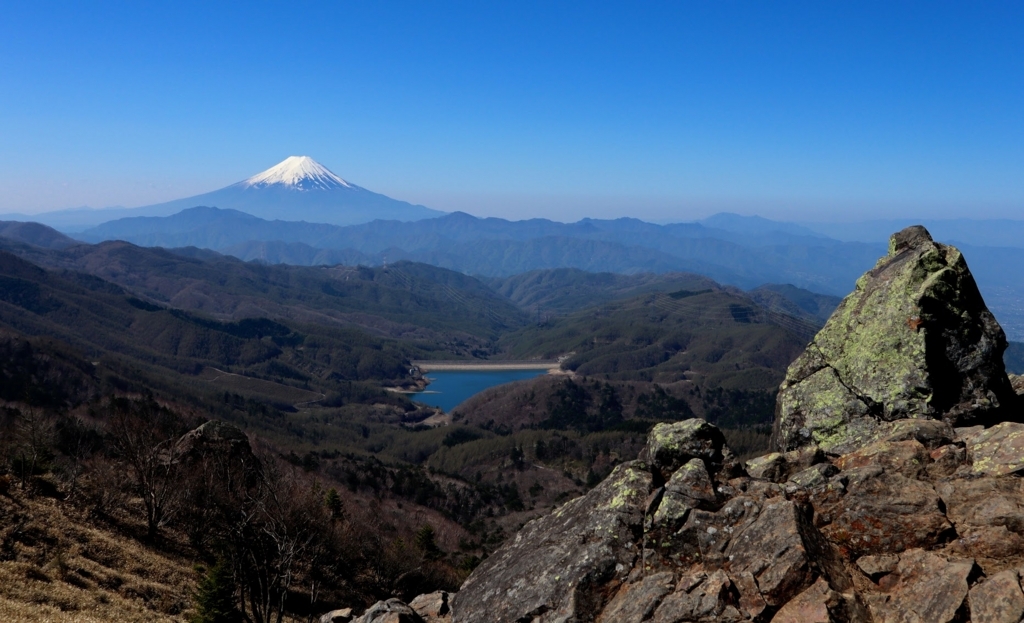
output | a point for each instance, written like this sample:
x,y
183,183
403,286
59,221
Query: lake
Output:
x,y
449,388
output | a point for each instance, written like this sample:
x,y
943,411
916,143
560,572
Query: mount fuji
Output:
x,y
296,189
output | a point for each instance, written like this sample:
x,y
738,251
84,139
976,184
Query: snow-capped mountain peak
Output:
x,y
298,172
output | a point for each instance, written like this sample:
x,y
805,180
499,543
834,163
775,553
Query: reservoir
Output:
x,y
449,388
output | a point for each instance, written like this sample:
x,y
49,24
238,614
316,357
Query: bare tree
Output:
x,y
145,441
33,442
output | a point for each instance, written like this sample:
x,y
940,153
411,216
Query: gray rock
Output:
x,y
780,466
390,611
710,600
343,615
433,607
914,340
810,606
877,566
636,602
931,589
669,446
998,599
998,451
688,488
784,552
557,566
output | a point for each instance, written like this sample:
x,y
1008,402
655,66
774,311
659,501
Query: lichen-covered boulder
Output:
x,y
669,446
557,567
998,451
913,340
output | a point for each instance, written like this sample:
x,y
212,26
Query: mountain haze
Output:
x,y
297,188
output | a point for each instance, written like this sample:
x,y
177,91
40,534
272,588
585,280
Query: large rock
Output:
x,y
673,538
998,451
903,529
998,599
931,589
390,611
914,340
558,566
880,512
433,607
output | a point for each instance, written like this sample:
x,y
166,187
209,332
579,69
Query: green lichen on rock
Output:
x,y
670,446
913,340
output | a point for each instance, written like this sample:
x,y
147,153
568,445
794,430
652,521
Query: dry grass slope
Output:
x,y
56,565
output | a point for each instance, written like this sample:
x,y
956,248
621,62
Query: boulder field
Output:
x,y
895,494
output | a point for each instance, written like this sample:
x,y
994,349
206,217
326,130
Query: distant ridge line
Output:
x,y
511,364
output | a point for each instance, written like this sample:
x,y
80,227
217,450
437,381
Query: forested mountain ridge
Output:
x,y
497,247
397,300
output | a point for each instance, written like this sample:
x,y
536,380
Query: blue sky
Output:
x,y
664,111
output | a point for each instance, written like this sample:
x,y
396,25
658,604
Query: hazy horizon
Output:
x,y
791,111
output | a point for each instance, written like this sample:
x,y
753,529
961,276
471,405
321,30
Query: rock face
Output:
x,y
903,529
896,494
913,340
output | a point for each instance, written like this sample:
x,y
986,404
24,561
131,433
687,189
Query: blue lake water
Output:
x,y
448,388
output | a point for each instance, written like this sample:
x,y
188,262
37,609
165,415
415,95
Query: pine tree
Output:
x,y
425,540
215,597
333,503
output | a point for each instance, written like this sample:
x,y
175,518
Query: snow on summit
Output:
x,y
298,172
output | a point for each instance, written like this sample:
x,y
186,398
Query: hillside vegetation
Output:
x,y
104,344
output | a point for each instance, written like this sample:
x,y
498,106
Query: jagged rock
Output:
x,y
214,437
344,615
751,603
669,446
557,566
998,599
882,513
784,552
810,606
988,514
780,466
1017,383
814,476
877,566
909,458
712,599
931,589
636,602
433,607
390,611
688,488
997,451
914,340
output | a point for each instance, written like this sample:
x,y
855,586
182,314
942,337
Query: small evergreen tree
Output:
x,y
215,597
333,503
425,540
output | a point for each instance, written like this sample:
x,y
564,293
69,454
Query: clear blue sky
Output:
x,y
666,111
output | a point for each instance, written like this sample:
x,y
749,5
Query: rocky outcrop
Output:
x,y
903,529
913,340
896,494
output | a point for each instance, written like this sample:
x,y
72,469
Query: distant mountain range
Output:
x,y
741,251
493,247
298,188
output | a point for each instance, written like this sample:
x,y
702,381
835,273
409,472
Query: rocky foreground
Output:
x,y
896,494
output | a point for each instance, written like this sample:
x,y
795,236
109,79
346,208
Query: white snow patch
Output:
x,y
299,172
